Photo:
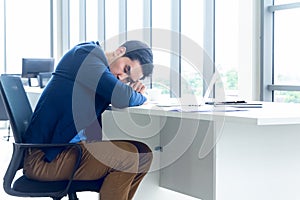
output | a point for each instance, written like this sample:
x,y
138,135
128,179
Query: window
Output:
x,y
224,29
286,54
281,41
234,31
112,17
74,22
227,43
26,34
2,37
92,25
162,54
86,21
135,19
192,13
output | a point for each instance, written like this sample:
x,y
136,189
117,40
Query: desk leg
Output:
x,y
188,174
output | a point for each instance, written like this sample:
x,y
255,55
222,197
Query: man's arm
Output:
x,y
138,87
95,75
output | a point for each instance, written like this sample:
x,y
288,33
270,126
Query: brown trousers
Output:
x,y
124,163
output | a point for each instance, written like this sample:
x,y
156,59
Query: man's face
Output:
x,y
126,70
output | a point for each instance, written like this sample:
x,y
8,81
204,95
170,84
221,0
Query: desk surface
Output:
x,y
271,113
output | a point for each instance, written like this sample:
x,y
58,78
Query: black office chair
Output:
x,y
19,112
4,117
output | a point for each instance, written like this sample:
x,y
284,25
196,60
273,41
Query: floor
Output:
x,y
5,156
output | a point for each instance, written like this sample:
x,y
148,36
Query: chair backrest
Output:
x,y
16,104
3,114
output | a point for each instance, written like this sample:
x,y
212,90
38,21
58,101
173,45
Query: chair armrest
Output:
x,y
17,161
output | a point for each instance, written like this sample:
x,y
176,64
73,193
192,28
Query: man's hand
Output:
x,y
138,86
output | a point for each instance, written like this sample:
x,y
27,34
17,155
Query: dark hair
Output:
x,y
137,50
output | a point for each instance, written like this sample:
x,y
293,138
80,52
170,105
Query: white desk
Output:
x,y
256,155
248,155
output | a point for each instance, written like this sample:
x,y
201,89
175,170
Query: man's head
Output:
x,y
132,61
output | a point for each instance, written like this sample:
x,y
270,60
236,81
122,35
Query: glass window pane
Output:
x,y
2,36
287,96
162,57
135,19
192,20
161,72
191,79
286,47
92,20
161,16
279,2
28,31
74,22
227,43
55,36
192,28
112,18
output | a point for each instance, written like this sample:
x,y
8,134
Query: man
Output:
x,y
83,85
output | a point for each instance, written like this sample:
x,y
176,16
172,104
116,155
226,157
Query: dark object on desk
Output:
x,y
19,112
231,102
44,78
225,102
236,104
32,67
240,104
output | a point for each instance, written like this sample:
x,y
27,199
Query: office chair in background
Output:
x,y
4,117
19,113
